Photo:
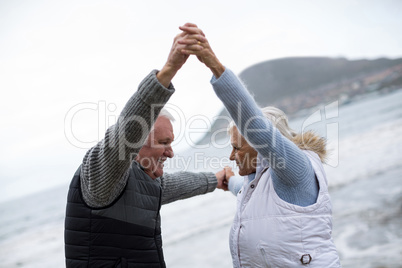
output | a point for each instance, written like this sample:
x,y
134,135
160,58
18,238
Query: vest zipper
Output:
x,y
160,255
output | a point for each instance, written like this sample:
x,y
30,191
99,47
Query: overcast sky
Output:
x,y
68,67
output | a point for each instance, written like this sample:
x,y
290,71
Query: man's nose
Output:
x,y
169,152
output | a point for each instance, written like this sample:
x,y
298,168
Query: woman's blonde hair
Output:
x,y
305,141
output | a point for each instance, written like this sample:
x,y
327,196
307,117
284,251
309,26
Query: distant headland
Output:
x,y
299,83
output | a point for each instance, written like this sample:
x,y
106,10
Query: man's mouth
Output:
x,y
161,161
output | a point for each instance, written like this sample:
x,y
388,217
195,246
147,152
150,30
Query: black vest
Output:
x,y
125,234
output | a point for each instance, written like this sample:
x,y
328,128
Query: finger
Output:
x,y
193,39
189,39
180,35
192,30
192,50
189,24
189,42
229,173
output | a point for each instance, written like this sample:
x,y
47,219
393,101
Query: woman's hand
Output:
x,y
197,44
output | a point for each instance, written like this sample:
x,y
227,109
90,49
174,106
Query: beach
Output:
x,y
365,175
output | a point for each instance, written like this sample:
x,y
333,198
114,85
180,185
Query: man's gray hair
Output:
x,y
167,114
162,113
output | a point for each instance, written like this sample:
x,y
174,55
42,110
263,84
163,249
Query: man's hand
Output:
x,y
223,177
222,183
175,61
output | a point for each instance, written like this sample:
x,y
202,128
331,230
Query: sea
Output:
x,y
364,173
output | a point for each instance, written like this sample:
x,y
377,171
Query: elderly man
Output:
x,y
112,214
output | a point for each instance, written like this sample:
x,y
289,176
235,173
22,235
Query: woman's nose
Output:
x,y
232,155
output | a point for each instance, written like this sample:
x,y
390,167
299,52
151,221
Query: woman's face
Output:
x,y
244,155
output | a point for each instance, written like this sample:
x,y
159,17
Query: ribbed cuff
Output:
x,y
212,182
151,91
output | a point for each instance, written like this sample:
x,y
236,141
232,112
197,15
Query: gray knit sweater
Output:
x,y
104,170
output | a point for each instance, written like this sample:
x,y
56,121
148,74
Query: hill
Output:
x,y
290,76
294,84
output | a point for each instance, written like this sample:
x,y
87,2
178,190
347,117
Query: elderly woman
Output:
x,y
284,211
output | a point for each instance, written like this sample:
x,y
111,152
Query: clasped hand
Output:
x,y
191,41
195,43
223,178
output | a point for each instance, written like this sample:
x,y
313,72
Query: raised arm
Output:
x,y
290,166
104,168
287,161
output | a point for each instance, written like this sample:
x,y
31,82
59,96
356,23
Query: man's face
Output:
x,y
244,155
157,148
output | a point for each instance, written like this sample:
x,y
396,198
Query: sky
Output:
x,y
67,68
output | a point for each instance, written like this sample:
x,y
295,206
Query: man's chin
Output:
x,y
158,173
154,173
